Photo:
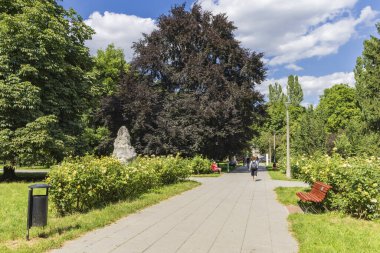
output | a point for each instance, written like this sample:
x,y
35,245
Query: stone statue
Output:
x,y
123,150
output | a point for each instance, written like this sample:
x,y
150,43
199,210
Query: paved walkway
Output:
x,y
231,213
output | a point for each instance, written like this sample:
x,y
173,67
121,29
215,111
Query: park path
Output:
x,y
231,213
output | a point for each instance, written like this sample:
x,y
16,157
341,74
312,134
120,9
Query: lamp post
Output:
x,y
288,172
270,152
274,150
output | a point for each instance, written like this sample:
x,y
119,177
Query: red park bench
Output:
x,y
316,195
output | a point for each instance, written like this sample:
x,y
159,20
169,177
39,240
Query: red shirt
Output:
x,y
214,166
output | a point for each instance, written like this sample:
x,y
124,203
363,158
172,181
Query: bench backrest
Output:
x,y
320,189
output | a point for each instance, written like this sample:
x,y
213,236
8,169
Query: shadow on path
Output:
x,y
244,169
240,169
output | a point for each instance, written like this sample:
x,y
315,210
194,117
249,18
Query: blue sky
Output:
x,y
318,40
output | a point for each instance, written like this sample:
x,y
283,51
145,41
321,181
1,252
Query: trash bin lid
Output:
x,y
33,186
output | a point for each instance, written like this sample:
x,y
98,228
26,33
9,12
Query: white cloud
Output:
x,y
120,29
288,31
293,67
366,16
312,86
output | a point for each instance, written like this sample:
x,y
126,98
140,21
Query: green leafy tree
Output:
x,y
294,97
363,140
276,107
19,102
277,114
338,106
39,142
43,67
295,93
276,94
7,150
263,140
109,67
197,88
309,135
367,76
343,145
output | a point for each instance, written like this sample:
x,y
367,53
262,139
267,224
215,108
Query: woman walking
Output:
x,y
253,166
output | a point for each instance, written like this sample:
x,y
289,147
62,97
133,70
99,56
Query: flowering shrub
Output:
x,y
297,162
355,182
201,165
81,184
174,169
169,169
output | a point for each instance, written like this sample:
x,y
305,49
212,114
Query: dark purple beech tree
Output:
x,y
191,88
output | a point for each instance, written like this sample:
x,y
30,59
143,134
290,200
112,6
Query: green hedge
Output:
x,y
355,182
81,184
169,169
201,165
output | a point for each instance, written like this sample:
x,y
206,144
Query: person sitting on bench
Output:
x,y
215,168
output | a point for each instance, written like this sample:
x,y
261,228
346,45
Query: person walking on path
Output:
x,y
253,166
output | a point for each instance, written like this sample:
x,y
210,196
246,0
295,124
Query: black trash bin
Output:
x,y
37,207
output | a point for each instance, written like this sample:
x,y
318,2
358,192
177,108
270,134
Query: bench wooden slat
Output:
x,y
308,197
317,194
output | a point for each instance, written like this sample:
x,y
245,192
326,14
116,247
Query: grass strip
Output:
x,y
330,232
13,199
287,195
278,175
335,233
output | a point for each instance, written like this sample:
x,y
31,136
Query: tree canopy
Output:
x,y
108,69
276,108
295,93
338,106
43,68
367,76
191,88
309,135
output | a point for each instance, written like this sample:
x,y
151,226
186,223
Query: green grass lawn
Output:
x,y
278,175
13,201
330,232
287,195
333,232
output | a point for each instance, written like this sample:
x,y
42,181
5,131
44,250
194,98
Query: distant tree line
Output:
x,y
346,120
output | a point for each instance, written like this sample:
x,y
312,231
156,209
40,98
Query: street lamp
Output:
x,y
288,172
274,150
270,151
